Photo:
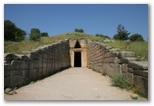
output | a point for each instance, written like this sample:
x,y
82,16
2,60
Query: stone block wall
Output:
x,y
35,64
104,58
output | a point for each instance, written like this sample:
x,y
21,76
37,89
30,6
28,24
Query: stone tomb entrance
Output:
x,y
77,59
78,52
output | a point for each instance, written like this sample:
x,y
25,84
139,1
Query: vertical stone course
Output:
x,y
35,64
113,61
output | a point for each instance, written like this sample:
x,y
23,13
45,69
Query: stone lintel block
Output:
x,y
138,65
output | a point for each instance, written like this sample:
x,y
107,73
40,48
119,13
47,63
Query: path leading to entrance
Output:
x,y
72,84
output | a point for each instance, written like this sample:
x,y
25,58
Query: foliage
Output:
x,y
103,36
139,91
35,34
122,33
79,30
104,73
136,37
120,81
12,32
44,34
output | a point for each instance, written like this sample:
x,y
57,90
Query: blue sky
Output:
x,y
93,18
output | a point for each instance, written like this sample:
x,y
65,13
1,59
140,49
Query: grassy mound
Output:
x,y
140,48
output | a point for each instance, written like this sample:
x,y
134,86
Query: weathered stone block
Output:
x,y
17,65
111,60
109,54
123,60
141,72
36,64
130,70
34,74
124,68
138,65
142,83
16,72
7,81
16,80
7,69
129,77
126,54
111,68
10,57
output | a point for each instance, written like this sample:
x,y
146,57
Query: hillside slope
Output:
x,y
140,48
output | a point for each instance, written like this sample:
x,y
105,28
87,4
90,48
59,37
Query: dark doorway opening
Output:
x,y
77,59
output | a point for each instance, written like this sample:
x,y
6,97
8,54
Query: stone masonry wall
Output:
x,y
104,58
35,64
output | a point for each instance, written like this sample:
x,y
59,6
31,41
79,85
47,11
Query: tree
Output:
x,y
19,34
122,34
44,34
12,32
35,34
136,37
79,30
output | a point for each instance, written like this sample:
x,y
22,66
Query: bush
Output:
x,y
120,81
44,34
104,73
35,34
103,36
136,37
79,30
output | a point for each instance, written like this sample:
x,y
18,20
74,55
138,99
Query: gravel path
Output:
x,y
72,84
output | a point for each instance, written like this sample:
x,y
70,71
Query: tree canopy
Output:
x,y
44,34
136,37
79,30
12,32
35,34
122,33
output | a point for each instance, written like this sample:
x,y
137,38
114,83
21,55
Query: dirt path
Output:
x,y
72,84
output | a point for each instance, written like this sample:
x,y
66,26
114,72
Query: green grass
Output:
x,y
18,47
140,48
120,81
139,91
